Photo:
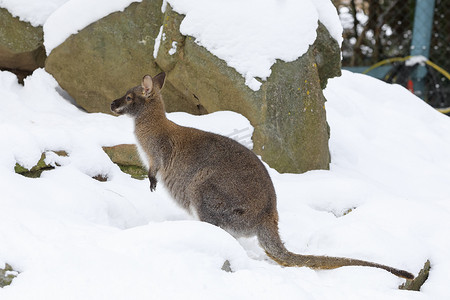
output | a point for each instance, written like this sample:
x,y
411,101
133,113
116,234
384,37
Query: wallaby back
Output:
x,y
214,177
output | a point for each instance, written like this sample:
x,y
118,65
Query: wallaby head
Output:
x,y
139,96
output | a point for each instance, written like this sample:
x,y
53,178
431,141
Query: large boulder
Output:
x,y
106,58
21,45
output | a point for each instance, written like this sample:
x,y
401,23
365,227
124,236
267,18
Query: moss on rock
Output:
x,y
36,171
41,166
7,274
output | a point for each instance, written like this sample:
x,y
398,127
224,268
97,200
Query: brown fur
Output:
x,y
214,177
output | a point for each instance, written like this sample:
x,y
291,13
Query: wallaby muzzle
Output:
x,y
115,106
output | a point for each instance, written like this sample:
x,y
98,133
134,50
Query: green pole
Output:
x,y
421,39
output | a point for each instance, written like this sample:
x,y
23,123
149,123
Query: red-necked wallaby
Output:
x,y
215,177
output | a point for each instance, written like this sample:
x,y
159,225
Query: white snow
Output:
x,y
158,42
239,128
72,237
173,50
164,6
414,60
329,18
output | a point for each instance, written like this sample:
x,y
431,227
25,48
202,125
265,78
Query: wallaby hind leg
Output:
x,y
219,208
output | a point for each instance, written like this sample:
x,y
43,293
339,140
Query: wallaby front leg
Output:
x,y
152,178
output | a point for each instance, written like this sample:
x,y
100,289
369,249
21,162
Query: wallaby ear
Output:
x,y
147,84
159,80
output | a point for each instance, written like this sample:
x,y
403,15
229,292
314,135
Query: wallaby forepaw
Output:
x,y
153,182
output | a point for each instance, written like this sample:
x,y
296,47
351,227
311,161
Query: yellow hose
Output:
x,y
394,59
445,110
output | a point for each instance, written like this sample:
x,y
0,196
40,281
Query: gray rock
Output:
x,y
21,45
227,267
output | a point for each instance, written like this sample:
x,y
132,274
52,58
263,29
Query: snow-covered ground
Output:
x,y
72,237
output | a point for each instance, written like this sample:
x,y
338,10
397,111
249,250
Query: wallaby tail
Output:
x,y
270,241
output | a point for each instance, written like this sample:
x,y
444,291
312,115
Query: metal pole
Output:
x,y
421,39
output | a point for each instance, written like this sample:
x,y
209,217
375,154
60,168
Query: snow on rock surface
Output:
x,y
32,11
158,42
61,18
74,15
250,35
329,17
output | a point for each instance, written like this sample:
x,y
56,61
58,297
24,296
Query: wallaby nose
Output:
x,y
114,106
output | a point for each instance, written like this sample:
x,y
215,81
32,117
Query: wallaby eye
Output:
x,y
129,98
